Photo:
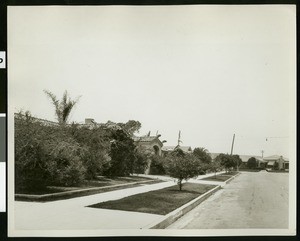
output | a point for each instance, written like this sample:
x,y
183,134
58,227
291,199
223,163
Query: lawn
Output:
x,y
100,181
220,177
104,184
161,201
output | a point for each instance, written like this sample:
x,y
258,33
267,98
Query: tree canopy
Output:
x,y
251,163
122,153
202,154
226,160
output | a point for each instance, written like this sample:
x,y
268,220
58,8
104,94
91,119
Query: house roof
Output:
x,y
145,139
168,148
172,148
275,158
185,148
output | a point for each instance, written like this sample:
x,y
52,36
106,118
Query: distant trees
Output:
x,y
131,126
182,166
62,107
251,163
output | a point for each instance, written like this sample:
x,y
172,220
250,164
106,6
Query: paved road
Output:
x,y
251,200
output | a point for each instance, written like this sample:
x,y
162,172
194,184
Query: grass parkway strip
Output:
x,y
220,177
79,192
160,202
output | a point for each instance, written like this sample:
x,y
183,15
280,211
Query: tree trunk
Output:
x,y
180,184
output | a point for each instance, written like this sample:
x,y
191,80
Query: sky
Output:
x,y
209,71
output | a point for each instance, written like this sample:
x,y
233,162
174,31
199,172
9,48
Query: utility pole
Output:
x,y
232,144
179,137
237,164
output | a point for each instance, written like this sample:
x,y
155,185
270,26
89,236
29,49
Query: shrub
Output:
x,y
140,162
157,165
45,155
97,143
122,153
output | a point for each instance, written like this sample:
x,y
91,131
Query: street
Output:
x,y
251,200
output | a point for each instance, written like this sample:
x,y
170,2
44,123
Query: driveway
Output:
x,y
251,200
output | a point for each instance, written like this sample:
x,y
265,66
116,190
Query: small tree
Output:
x,y
238,161
227,161
214,166
182,166
251,163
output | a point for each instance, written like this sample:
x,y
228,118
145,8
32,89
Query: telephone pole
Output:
x,y
232,144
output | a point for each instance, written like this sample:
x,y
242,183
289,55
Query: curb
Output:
x,y
230,179
170,218
44,197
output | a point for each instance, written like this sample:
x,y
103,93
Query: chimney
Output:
x,y
89,121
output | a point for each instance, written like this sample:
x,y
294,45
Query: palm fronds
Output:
x,y
64,107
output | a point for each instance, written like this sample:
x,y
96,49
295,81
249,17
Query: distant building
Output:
x,y
277,162
168,149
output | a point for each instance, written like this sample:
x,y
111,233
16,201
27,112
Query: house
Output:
x,y
149,143
277,162
168,149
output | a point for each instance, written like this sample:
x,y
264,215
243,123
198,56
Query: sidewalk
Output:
x,y
71,214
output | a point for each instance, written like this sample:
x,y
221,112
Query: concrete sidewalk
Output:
x,y
73,213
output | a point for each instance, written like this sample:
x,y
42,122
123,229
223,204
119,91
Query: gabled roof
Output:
x,y
147,139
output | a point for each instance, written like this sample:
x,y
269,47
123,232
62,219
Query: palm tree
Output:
x,y
64,107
